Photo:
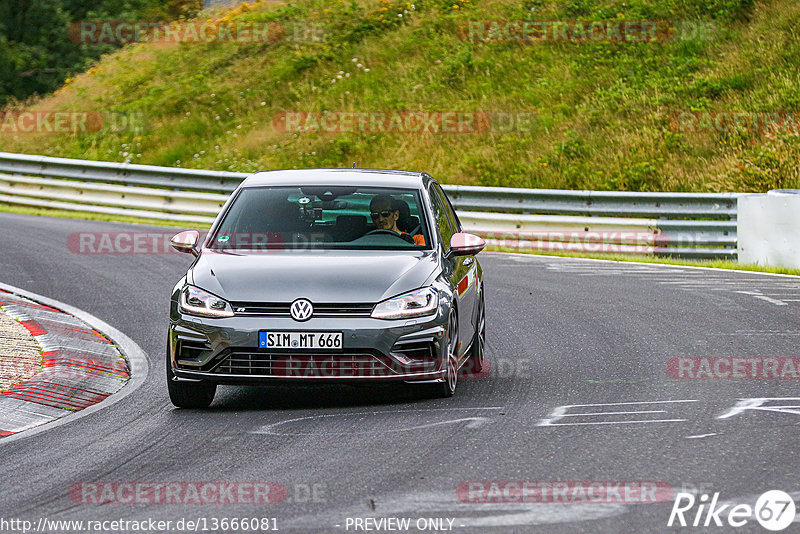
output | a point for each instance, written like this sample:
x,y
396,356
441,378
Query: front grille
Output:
x,y
281,309
256,363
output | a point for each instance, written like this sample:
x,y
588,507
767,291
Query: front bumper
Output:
x,y
226,351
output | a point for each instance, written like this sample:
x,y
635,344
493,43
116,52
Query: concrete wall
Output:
x,y
769,229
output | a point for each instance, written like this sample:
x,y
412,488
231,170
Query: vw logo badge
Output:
x,y
301,310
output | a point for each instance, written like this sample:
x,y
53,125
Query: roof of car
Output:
x,y
356,177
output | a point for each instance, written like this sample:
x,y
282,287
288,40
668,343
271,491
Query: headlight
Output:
x,y
199,302
413,304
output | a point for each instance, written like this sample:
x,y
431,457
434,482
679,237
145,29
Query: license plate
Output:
x,y
300,340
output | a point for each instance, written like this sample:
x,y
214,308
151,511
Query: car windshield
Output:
x,y
323,217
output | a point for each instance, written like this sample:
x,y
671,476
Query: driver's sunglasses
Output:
x,y
384,213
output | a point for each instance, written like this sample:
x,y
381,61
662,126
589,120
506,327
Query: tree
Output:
x,y
36,54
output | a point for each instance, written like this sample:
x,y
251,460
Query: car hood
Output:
x,y
333,276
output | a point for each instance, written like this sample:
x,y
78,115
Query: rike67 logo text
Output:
x,y
774,510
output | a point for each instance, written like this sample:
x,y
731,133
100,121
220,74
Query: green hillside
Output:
x,y
575,113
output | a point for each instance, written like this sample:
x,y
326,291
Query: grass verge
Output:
x,y
84,215
567,115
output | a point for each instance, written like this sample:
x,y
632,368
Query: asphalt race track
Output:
x,y
561,333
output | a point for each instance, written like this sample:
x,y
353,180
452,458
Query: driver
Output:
x,y
385,216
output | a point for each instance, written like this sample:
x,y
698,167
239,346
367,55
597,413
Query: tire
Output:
x,y
477,354
447,387
189,394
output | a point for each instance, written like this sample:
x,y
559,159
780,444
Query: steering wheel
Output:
x,y
381,231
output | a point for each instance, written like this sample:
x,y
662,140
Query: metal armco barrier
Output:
x,y
693,225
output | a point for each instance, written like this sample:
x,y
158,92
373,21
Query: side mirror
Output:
x,y
464,244
186,241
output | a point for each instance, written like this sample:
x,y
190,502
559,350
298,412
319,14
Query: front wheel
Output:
x,y
477,354
447,387
189,394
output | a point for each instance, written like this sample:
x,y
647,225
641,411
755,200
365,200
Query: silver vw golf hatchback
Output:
x,y
327,275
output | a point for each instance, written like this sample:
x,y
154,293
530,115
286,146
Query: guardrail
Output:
x,y
695,225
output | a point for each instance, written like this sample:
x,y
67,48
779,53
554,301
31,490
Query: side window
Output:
x,y
441,217
451,213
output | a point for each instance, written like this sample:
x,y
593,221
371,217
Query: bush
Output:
x,y
772,165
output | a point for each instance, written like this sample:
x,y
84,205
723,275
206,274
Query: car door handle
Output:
x,y
467,261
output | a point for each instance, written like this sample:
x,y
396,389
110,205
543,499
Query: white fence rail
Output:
x,y
696,225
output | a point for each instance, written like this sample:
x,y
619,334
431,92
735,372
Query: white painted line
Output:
x,y
771,300
757,404
475,422
617,422
715,283
765,333
701,436
760,296
611,413
560,412
137,360
675,268
777,292
629,403
685,279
